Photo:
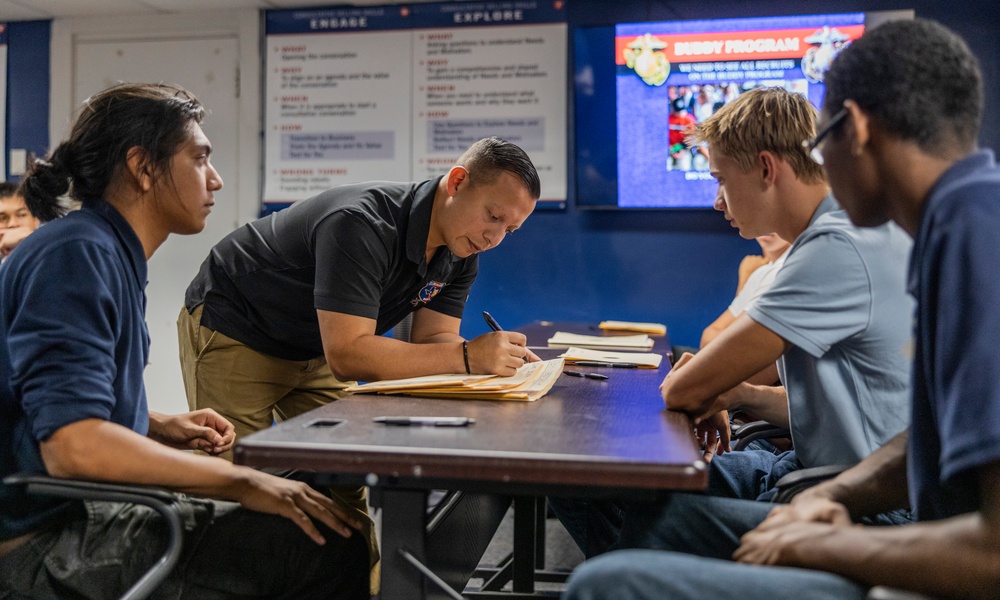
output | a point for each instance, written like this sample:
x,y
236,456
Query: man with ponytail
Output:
x,y
73,345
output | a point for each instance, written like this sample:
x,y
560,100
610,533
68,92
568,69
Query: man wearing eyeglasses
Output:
x,y
836,320
16,222
903,106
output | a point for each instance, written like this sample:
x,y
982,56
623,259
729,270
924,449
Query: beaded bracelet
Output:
x,y
465,355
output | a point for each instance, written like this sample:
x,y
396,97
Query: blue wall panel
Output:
x,y
28,86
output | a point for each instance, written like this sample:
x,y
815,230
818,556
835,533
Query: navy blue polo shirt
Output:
x,y
356,249
73,344
956,386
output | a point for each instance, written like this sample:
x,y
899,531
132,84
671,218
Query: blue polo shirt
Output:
x,y
73,344
956,385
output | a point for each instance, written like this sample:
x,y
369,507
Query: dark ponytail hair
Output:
x,y
151,116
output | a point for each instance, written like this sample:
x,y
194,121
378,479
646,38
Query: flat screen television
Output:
x,y
639,86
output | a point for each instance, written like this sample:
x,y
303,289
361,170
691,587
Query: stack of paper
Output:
x,y
642,360
561,339
531,382
654,328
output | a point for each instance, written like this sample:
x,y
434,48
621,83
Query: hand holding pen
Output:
x,y
529,355
495,353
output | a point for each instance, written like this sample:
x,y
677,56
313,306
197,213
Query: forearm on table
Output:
x,y
766,376
374,357
439,338
717,327
740,351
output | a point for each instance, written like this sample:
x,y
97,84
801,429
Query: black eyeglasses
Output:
x,y
812,144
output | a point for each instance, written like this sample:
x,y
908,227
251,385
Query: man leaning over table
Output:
x,y
836,319
290,309
902,112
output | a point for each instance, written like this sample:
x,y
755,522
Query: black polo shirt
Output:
x,y
356,249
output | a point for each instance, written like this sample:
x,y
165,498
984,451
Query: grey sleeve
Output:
x,y
821,295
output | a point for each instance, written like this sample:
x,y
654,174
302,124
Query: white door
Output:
x,y
208,67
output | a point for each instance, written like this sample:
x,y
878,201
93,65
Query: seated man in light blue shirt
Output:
x,y
901,118
836,319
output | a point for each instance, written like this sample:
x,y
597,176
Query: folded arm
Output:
x,y
766,402
743,349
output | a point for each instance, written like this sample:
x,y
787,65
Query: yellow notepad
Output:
x,y
654,328
531,382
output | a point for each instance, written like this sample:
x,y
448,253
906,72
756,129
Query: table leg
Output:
x,y
525,522
403,527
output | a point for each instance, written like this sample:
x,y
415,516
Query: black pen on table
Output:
x,y
597,376
495,326
595,363
432,421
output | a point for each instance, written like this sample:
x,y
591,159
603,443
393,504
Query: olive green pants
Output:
x,y
252,390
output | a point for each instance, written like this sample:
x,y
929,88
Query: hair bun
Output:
x,y
44,184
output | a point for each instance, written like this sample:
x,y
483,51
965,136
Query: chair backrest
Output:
x,y
402,329
163,502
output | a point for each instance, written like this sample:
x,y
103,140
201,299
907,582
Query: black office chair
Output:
x,y
797,481
161,501
745,433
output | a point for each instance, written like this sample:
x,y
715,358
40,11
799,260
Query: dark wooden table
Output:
x,y
585,437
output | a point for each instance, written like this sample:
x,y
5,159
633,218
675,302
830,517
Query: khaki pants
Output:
x,y
252,390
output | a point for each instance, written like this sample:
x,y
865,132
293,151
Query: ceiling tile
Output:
x,y
20,10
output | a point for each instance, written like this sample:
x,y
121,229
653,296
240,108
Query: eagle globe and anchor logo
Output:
x,y
428,292
645,56
825,45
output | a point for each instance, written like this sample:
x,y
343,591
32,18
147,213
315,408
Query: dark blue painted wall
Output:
x,y
28,86
674,267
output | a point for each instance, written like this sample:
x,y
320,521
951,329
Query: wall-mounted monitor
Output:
x,y
639,87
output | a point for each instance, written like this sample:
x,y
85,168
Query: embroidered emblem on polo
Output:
x,y
430,290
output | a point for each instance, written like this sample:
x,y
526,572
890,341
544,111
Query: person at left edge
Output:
x,y
16,221
73,346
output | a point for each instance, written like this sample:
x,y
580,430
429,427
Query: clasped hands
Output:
x,y
204,430
786,535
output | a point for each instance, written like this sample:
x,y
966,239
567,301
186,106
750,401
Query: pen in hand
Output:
x,y
495,326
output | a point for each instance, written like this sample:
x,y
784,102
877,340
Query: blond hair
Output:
x,y
771,119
